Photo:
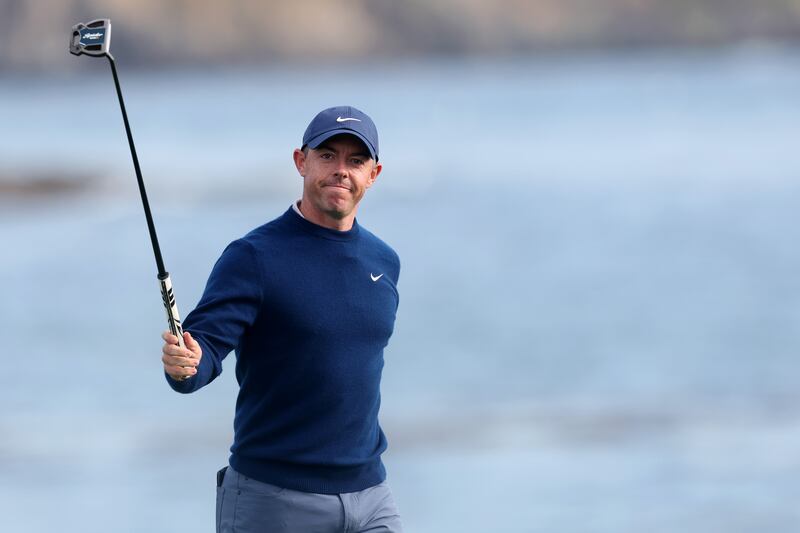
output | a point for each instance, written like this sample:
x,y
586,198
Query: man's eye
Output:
x,y
326,155
357,161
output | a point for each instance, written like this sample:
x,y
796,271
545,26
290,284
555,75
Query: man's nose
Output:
x,y
341,168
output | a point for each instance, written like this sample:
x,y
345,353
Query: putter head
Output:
x,y
92,38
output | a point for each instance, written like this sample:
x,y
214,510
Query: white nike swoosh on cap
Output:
x,y
340,119
375,278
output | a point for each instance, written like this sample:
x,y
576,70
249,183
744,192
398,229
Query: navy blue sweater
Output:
x,y
308,311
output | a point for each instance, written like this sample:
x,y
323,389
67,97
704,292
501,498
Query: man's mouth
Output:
x,y
338,186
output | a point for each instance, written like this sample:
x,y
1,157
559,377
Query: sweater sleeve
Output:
x,y
228,307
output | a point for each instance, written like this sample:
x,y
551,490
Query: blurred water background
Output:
x,y
599,293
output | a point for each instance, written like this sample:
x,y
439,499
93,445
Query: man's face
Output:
x,y
336,175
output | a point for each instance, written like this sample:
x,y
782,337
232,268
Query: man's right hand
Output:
x,y
180,363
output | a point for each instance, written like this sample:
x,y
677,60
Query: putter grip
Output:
x,y
173,318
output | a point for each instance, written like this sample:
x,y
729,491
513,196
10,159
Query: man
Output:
x,y
308,303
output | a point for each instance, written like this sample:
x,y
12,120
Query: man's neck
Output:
x,y
321,219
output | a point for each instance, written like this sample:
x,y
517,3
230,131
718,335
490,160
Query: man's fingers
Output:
x,y
180,363
174,349
169,338
179,372
171,360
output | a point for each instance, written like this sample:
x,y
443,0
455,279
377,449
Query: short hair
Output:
x,y
305,149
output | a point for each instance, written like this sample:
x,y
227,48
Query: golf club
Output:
x,y
94,39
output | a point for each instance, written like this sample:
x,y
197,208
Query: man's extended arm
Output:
x,y
229,305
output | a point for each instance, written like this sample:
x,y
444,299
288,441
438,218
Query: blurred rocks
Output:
x,y
39,183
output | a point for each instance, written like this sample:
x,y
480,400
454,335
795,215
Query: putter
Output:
x,y
94,39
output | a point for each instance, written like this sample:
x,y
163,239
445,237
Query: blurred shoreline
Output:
x,y
34,35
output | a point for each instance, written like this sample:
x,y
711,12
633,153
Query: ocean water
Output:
x,y
599,292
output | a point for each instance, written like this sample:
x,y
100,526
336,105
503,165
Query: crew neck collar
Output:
x,y
296,218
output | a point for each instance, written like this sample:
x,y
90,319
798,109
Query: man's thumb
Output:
x,y
190,342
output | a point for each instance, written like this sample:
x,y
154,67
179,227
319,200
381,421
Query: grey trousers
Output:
x,y
245,505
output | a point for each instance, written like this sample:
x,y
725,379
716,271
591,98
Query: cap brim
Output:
x,y
322,137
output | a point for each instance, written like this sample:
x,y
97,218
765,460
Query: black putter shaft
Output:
x,y
167,294
162,272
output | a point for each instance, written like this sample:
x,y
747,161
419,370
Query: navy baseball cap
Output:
x,y
338,120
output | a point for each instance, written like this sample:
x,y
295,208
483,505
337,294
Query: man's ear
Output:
x,y
376,169
300,161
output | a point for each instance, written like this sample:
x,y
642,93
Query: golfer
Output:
x,y
307,302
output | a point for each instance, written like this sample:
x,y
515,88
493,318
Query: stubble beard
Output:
x,y
331,207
